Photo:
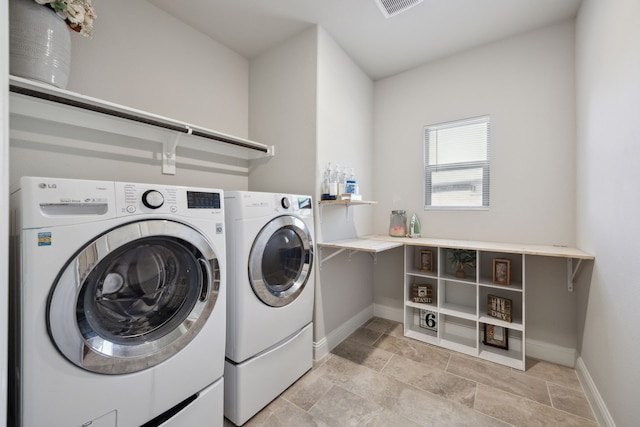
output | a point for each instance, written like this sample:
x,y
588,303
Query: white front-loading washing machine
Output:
x,y
270,297
118,304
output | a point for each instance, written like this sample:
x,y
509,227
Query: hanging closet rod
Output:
x,y
128,116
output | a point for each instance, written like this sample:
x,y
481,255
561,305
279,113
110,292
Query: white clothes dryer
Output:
x,y
118,304
270,298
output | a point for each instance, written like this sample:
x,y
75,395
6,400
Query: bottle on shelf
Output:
x,y
352,188
342,181
333,181
326,185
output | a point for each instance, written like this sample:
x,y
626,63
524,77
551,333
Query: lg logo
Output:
x,y
44,185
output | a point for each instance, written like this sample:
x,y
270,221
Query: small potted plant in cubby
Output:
x,y
461,258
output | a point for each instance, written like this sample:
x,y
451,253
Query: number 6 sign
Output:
x,y
428,320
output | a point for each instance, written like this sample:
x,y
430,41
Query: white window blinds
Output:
x,y
456,164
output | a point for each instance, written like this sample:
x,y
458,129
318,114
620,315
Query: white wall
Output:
x,y
310,100
526,85
608,201
282,88
344,137
143,58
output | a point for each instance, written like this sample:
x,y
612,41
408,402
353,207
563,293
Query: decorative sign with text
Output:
x,y
499,307
422,293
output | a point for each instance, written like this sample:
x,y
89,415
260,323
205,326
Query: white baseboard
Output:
x,y
390,313
322,347
597,403
551,353
536,349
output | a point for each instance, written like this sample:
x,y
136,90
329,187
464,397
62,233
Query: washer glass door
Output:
x,y
134,297
280,261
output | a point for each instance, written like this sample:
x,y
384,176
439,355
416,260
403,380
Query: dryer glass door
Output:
x,y
280,261
134,297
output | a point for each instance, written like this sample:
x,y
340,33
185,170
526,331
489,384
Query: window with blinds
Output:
x,y
456,164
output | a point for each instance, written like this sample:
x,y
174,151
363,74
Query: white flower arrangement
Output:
x,y
78,14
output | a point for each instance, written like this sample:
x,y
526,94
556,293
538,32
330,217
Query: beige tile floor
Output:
x,y
377,377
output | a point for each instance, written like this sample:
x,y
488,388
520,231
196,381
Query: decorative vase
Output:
x,y
39,43
460,272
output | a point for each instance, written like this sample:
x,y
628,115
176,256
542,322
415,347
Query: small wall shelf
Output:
x,y
346,203
45,114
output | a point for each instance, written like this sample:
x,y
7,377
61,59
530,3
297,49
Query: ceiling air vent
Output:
x,y
391,8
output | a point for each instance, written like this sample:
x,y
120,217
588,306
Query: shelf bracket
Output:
x,y
323,260
571,273
169,153
339,251
374,255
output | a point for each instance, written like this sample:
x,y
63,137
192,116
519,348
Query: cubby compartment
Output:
x,y
422,324
457,298
494,347
421,260
421,291
458,334
500,269
447,267
504,309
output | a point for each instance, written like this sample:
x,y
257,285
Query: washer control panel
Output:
x,y
139,198
132,199
60,201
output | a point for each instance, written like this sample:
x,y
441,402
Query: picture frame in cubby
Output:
x,y
502,271
496,336
426,261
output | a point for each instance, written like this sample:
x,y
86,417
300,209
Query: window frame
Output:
x,y
485,165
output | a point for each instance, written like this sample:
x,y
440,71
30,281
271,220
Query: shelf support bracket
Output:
x,y
571,273
339,251
323,260
169,152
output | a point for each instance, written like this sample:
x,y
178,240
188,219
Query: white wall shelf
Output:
x,y
345,203
80,120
